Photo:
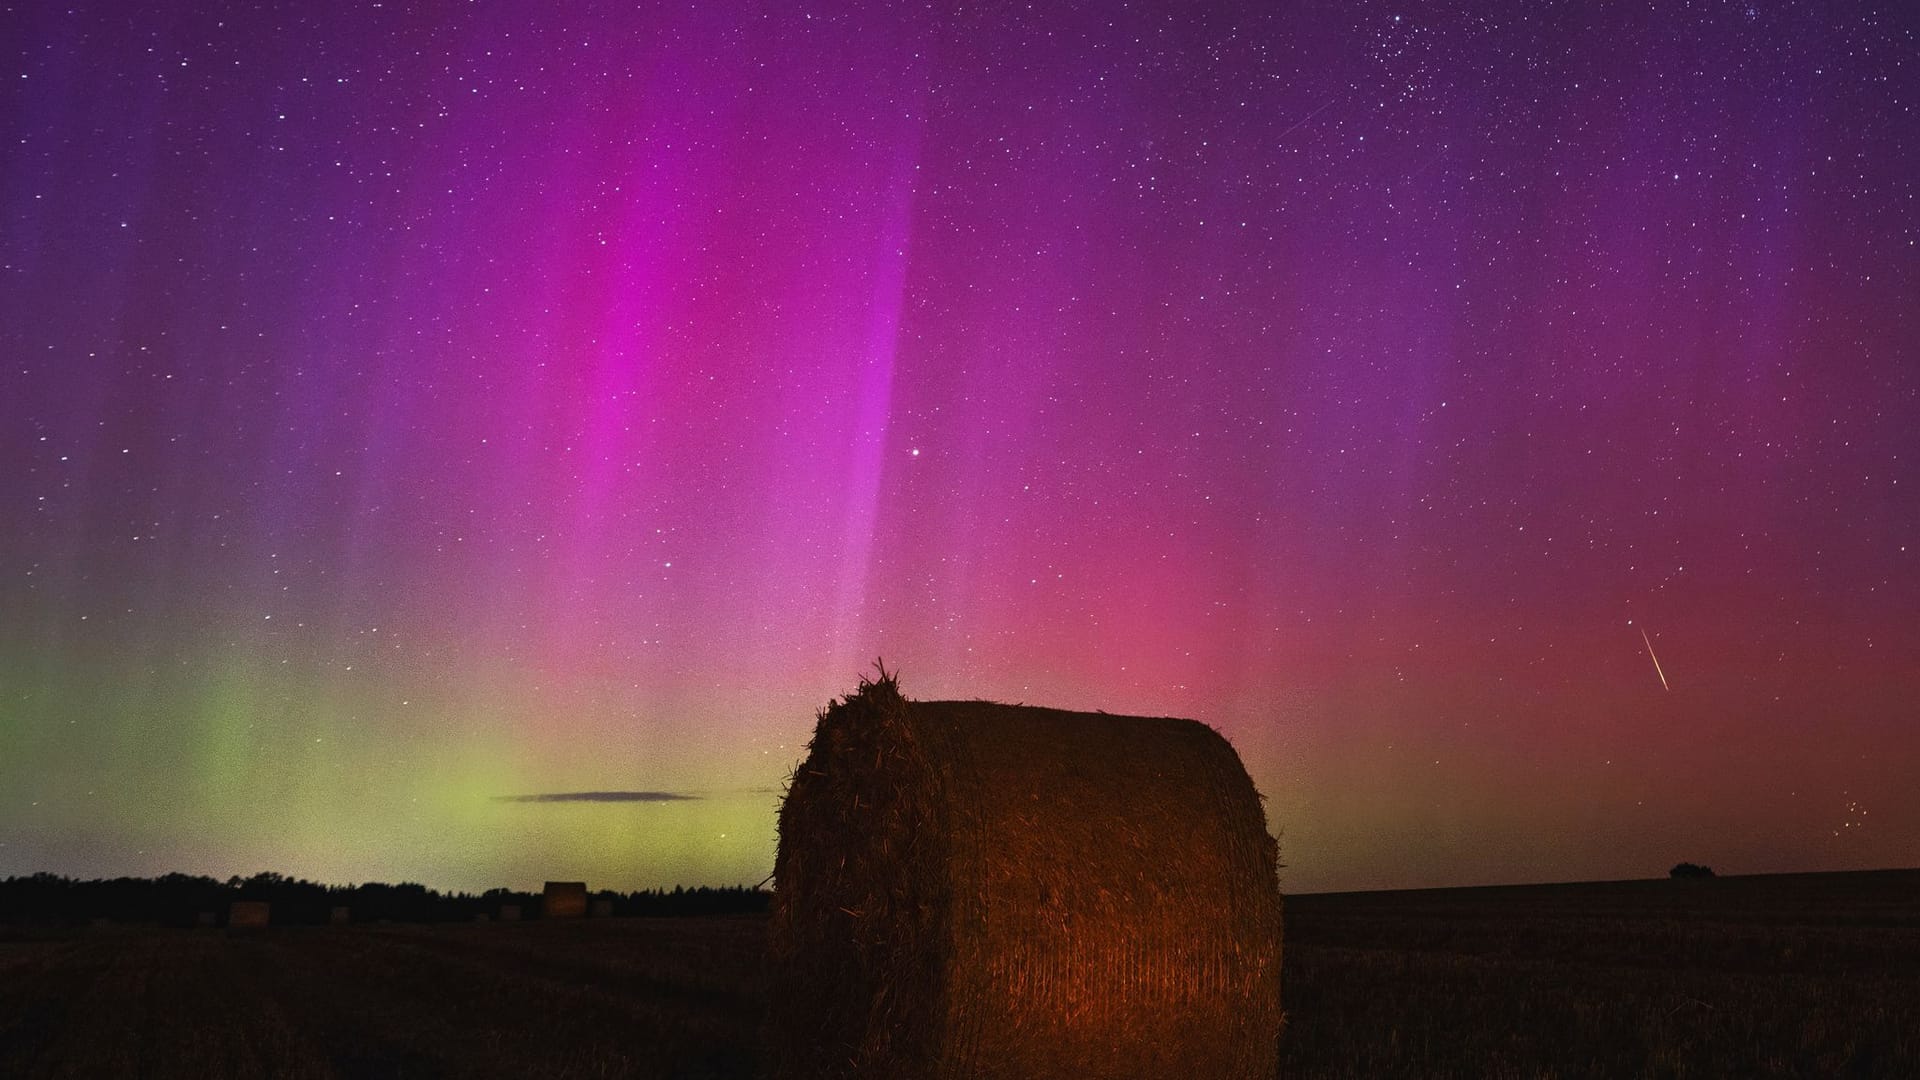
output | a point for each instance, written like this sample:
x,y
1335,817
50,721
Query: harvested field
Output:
x,y
1788,975
1805,975
617,997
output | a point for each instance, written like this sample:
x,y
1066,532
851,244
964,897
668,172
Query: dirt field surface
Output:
x,y
1803,975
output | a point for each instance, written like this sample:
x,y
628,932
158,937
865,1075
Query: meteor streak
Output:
x,y
1656,660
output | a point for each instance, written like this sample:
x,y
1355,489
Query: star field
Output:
x,y
412,412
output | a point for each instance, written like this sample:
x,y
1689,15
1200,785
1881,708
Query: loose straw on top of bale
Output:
x,y
966,889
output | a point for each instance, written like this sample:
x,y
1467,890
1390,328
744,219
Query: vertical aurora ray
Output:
x,y
873,409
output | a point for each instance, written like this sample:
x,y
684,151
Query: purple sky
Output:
x,y
407,407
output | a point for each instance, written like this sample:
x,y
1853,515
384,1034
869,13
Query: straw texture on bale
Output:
x,y
972,890
247,913
564,900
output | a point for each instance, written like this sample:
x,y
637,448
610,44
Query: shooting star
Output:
x,y
1291,128
1656,660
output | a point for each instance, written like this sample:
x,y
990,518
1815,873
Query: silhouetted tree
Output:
x,y
178,900
1690,870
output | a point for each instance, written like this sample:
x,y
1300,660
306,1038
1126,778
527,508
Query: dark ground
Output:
x,y
1799,975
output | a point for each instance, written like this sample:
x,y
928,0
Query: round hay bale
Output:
x,y
564,900
248,914
965,889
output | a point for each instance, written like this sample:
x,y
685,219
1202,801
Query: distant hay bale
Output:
x,y
481,916
247,914
602,909
965,889
340,916
206,918
564,900
509,912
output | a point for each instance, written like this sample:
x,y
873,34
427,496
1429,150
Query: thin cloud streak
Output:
x,y
598,797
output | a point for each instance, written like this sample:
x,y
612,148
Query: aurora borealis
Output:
x,y
409,411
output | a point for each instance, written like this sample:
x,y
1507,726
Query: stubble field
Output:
x,y
1794,975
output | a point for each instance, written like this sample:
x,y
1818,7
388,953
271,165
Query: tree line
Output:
x,y
188,900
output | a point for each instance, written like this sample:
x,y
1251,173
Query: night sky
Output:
x,y
413,413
